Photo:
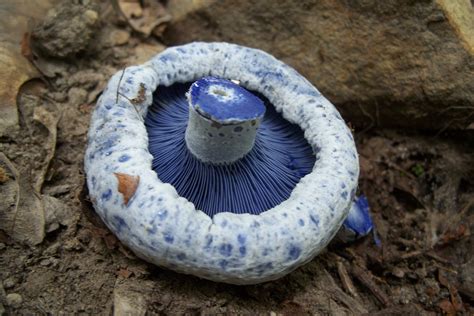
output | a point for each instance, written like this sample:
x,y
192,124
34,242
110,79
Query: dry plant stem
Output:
x,y
346,279
367,280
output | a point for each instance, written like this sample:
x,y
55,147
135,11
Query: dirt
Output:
x,y
420,187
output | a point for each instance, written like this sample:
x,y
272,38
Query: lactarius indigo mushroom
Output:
x,y
220,161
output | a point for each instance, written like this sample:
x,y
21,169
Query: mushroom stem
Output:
x,y
223,120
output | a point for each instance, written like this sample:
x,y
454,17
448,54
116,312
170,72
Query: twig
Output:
x,y
366,279
118,85
346,279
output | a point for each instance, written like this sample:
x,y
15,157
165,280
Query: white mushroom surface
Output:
x,y
163,228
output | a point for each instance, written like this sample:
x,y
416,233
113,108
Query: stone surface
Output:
x,y
66,30
387,63
129,298
14,300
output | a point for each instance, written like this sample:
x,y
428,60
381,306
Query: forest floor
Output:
x,y
420,186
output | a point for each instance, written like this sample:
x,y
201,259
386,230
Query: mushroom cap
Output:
x,y
161,227
226,102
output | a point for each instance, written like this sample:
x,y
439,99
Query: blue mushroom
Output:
x,y
220,161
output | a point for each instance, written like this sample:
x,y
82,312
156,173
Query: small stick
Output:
x,y
346,279
366,279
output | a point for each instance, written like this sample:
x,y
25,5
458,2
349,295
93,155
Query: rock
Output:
x,y
2,246
10,282
119,37
14,300
66,30
390,63
129,298
77,96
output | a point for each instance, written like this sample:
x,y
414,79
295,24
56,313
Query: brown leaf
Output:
x,y
456,300
124,273
127,185
447,307
454,234
3,176
48,119
21,210
142,15
16,69
141,95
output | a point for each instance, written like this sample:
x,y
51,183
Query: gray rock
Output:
x,y
128,303
14,300
10,282
388,63
66,30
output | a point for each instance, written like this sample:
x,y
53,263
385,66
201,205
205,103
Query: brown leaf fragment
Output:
x,y
3,175
447,308
456,300
21,209
15,17
142,15
124,273
127,185
454,234
140,98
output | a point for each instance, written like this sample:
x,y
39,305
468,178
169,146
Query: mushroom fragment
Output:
x,y
167,229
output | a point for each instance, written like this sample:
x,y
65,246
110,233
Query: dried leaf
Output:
x,y
21,210
140,98
3,176
142,15
50,121
16,69
447,307
124,273
456,300
127,185
56,213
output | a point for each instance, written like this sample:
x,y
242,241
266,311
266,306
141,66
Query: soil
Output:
x,y
419,184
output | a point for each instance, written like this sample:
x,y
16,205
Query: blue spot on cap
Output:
x,y
224,101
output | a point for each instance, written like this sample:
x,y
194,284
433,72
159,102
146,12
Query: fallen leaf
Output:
x,y
454,234
3,176
21,210
127,185
56,213
140,98
49,120
15,17
456,300
447,308
142,15
124,273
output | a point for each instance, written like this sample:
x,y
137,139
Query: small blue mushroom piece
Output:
x,y
358,222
